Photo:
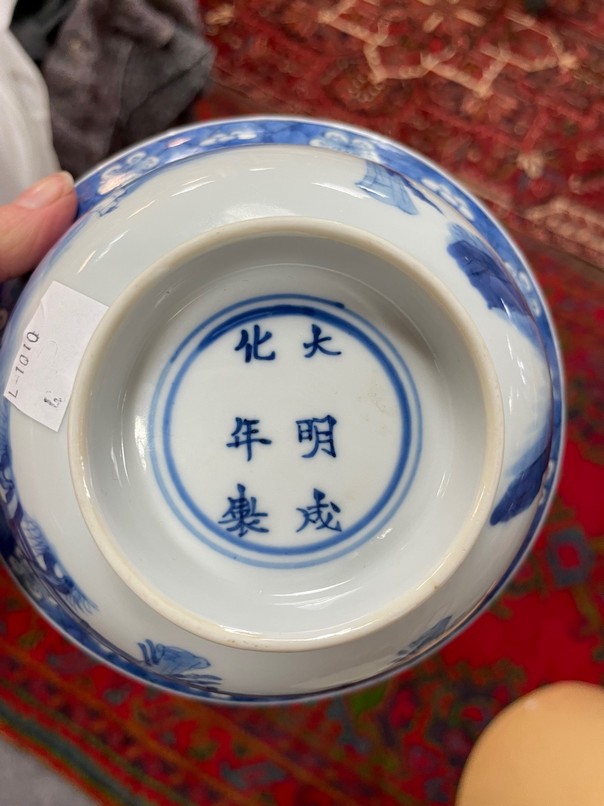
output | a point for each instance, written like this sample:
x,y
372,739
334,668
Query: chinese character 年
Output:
x,y
244,434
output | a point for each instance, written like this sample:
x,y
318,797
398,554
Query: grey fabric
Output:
x,y
36,25
120,71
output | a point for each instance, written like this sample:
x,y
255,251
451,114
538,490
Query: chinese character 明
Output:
x,y
321,514
251,347
244,434
241,516
319,431
316,344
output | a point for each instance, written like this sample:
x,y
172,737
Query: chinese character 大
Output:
x,y
316,343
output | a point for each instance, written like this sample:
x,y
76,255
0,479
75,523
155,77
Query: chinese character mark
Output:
x,y
251,347
244,434
316,344
321,514
242,516
319,431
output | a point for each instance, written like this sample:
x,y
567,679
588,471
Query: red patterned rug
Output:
x,y
510,105
402,742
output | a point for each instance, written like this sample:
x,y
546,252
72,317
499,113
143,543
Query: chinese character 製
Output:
x,y
319,431
244,435
242,516
321,514
251,347
316,344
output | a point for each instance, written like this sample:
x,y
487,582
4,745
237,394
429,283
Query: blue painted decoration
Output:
x,y
244,435
316,343
177,664
524,488
35,555
321,513
242,516
388,187
426,639
252,347
488,276
318,431
100,193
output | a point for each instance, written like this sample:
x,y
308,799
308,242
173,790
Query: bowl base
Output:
x,y
291,415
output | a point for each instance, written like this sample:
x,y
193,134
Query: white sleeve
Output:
x,y
26,151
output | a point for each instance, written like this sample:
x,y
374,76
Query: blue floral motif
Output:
x,y
426,639
177,664
387,187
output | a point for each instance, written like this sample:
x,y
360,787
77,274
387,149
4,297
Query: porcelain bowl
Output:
x,y
308,418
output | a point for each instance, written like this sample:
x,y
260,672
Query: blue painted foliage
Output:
x,y
523,490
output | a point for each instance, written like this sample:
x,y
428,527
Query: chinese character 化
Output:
x,y
241,516
244,434
316,344
251,348
321,514
319,431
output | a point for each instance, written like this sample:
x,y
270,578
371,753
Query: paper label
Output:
x,y
46,363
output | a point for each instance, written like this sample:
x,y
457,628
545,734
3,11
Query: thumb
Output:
x,y
31,224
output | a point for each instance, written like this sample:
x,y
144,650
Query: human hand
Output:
x,y
32,223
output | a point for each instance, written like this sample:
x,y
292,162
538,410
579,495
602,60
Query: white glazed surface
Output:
x,y
171,208
419,534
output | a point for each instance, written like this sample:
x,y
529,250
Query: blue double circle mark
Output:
x,y
254,311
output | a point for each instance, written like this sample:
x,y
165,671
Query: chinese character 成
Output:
x,y
316,344
319,431
244,434
242,516
321,514
251,347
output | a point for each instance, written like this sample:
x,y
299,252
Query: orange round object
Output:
x,y
546,748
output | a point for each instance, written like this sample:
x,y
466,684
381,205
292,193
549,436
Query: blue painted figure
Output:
x,y
244,434
321,514
316,344
177,663
242,516
251,347
319,431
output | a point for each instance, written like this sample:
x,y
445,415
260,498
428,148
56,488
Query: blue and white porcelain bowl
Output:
x,y
282,412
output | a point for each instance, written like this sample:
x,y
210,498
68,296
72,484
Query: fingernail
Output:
x,y
46,191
